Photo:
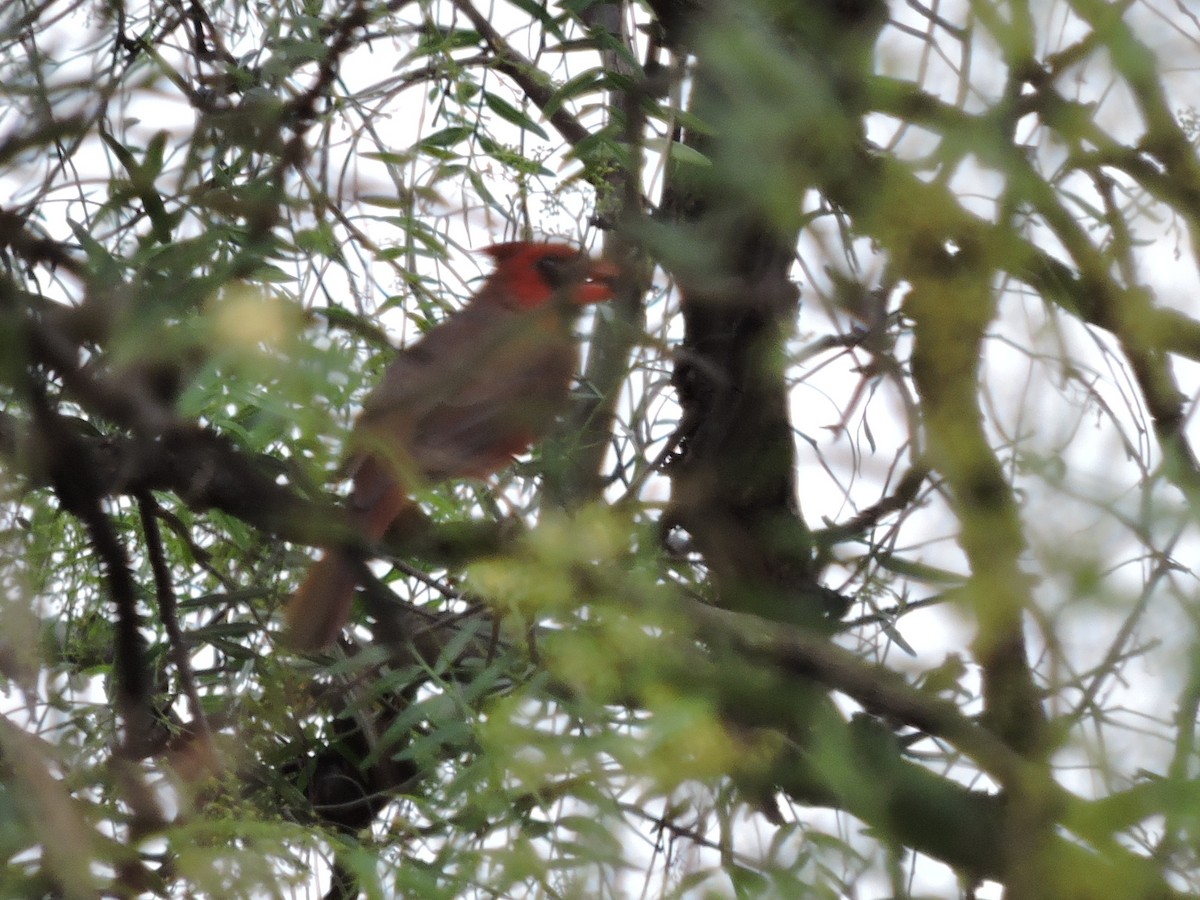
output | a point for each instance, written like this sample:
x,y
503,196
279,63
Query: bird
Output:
x,y
475,390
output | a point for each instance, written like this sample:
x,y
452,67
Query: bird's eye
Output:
x,y
554,269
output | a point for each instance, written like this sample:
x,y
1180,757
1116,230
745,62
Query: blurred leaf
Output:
x,y
510,113
446,137
587,81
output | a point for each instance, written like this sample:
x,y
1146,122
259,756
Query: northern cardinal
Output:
x,y
481,386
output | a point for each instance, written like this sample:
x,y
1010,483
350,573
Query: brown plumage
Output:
x,y
476,389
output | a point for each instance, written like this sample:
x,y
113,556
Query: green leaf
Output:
x,y
510,113
512,158
444,41
272,274
153,165
141,179
677,152
586,81
912,569
385,201
319,241
447,137
392,159
102,262
540,13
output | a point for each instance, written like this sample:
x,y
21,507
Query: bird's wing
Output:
x,y
509,402
461,401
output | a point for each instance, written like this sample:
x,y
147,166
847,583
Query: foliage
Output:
x,y
882,590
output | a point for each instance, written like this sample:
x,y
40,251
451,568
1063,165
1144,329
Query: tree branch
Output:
x,y
528,77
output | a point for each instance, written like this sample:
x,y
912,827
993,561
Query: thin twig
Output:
x,y
169,610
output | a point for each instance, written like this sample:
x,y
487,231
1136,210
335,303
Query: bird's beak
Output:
x,y
601,279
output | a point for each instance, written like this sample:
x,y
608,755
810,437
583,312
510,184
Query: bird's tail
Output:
x,y
321,605
320,608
